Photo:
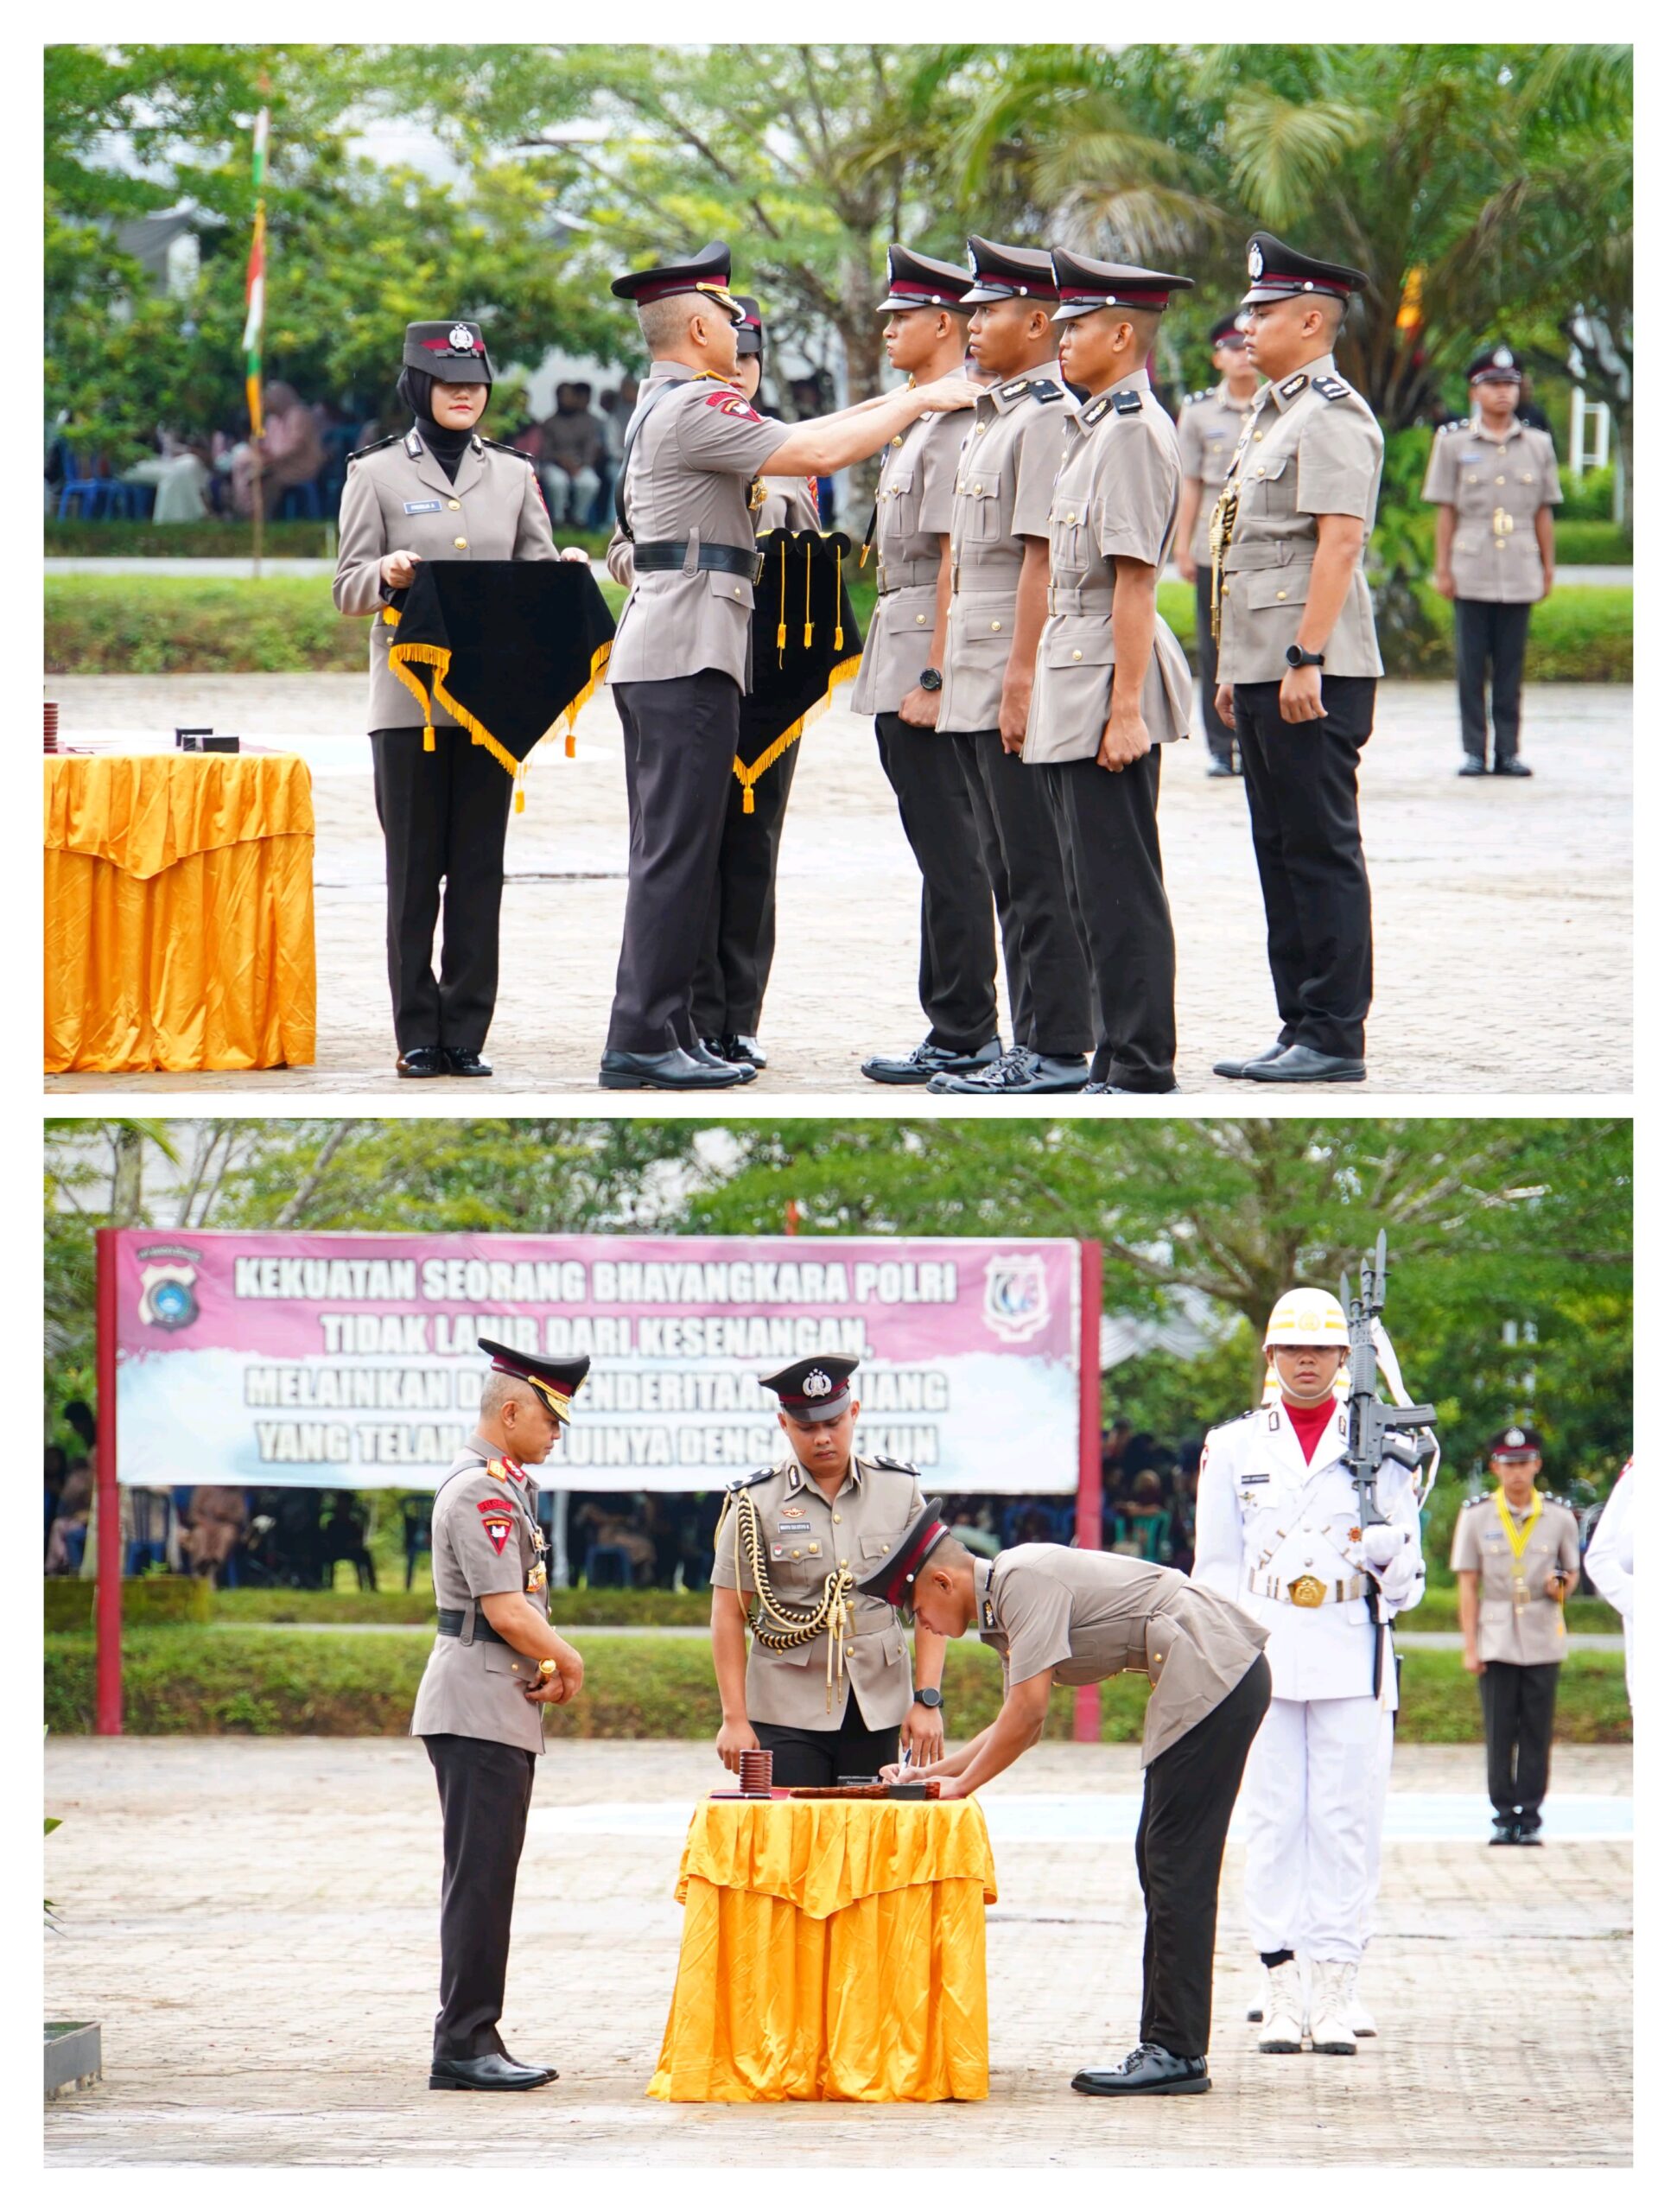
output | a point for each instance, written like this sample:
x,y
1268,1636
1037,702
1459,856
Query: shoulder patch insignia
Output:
x,y
497,1531
377,446
1044,388
1330,387
732,404
1127,402
1293,385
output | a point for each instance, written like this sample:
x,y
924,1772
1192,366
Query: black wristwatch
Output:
x,y
932,1697
931,679
1298,657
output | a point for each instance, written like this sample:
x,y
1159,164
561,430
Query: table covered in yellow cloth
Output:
x,y
180,910
832,1949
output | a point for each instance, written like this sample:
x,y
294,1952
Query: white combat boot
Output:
x,y
1353,2012
1283,2026
1332,1985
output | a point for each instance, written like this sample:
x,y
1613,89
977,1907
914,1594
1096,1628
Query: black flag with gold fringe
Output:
x,y
804,643
512,649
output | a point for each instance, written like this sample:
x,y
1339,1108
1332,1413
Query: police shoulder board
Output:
x,y
1330,387
895,1467
750,1481
500,445
377,446
1045,389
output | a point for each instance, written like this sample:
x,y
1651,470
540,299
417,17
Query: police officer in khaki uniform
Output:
x,y
1297,660
998,602
441,492
495,1664
1208,429
1112,685
1494,482
829,1687
681,663
904,665
1055,1615
1515,1554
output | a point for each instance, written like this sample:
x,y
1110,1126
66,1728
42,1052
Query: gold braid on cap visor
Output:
x,y
555,1401
788,1626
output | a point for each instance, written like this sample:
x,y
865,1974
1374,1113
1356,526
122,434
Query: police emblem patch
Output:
x,y
498,1532
1254,259
731,403
1502,359
817,1383
461,340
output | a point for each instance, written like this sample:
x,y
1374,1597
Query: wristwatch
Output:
x,y
932,1697
1298,657
931,679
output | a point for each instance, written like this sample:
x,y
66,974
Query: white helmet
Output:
x,y
1307,1317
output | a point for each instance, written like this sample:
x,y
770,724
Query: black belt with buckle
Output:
x,y
454,1624
676,552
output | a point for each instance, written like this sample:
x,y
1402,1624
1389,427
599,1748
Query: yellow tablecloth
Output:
x,y
832,1949
180,911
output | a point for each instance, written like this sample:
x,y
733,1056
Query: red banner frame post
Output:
x,y
1086,1709
108,1599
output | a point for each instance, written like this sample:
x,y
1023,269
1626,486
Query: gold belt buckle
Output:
x,y
1306,1591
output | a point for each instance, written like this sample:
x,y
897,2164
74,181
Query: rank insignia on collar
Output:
x,y
1093,414
1012,391
986,1616
1330,387
1293,385
415,444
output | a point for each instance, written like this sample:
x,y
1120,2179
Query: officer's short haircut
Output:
x,y
1146,325
948,1552
663,322
500,1389
1333,309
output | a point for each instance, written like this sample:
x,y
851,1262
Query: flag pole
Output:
x,y
256,288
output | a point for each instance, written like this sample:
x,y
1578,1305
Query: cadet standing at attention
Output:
x,y
681,662
829,1687
441,492
1057,1615
998,604
1494,482
1112,685
1515,1556
902,675
495,1664
1208,429
1297,658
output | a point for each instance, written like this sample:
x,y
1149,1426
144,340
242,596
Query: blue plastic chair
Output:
x,y
299,503
93,490
598,1555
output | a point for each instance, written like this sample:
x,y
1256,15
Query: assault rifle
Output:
x,y
1375,1430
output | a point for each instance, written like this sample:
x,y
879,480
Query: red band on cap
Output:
x,y
442,346
911,1565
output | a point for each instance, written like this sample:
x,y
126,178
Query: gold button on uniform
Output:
x,y
849,1651
995,626
919,618
459,545
1281,594
455,503
838,1518
1077,652
897,441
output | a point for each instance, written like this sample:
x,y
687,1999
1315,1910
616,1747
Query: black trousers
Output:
x,y
957,920
680,735
484,1788
1047,975
444,818
816,1758
1301,795
738,944
1108,825
1488,632
1219,735
1519,1708
1187,1801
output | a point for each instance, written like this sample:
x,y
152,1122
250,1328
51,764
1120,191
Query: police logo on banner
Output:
x,y
168,1273
1015,1296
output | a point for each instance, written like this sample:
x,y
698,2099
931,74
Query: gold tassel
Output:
x,y
518,789
430,738
838,602
747,776
749,803
780,634
808,587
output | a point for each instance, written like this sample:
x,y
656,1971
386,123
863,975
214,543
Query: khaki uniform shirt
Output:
x,y
1532,1633
483,1540
804,1540
1497,489
1311,447
396,498
789,503
1004,493
913,509
1115,498
688,478
1087,1615
1208,429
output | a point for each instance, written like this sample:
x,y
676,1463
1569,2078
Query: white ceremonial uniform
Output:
x,y
1272,1531
1612,1561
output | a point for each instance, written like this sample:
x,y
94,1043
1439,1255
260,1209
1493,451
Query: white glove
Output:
x,y
1381,1545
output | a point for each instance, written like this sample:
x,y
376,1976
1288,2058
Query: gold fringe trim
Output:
x,y
841,674
437,657
567,716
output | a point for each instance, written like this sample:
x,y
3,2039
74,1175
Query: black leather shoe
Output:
x,y
457,1060
927,1060
1514,767
672,1070
1016,1075
745,1050
1149,2071
1130,1090
1239,1067
712,1055
1220,769
421,1059
492,2071
1472,767
1504,1829
550,2073
1303,1063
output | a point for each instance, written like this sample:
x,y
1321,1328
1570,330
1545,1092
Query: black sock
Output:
x,y
1274,1958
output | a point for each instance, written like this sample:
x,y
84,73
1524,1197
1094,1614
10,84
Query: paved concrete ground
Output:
x,y
253,1922
1501,910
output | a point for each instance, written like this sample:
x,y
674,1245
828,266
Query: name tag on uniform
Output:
x,y
421,506
795,1528
1247,1481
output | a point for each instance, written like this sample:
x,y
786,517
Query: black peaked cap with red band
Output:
x,y
556,1381
750,324
1008,272
1514,1444
812,1390
1226,328
1085,287
915,280
1277,271
1500,363
895,1578
707,272
454,350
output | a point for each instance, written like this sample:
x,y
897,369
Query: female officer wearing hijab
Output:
x,y
439,492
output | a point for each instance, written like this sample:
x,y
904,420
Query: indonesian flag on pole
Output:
x,y
255,279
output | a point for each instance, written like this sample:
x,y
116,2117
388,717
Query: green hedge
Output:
x,y
1584,543
578,1608
222,541
149,1601
227,1683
